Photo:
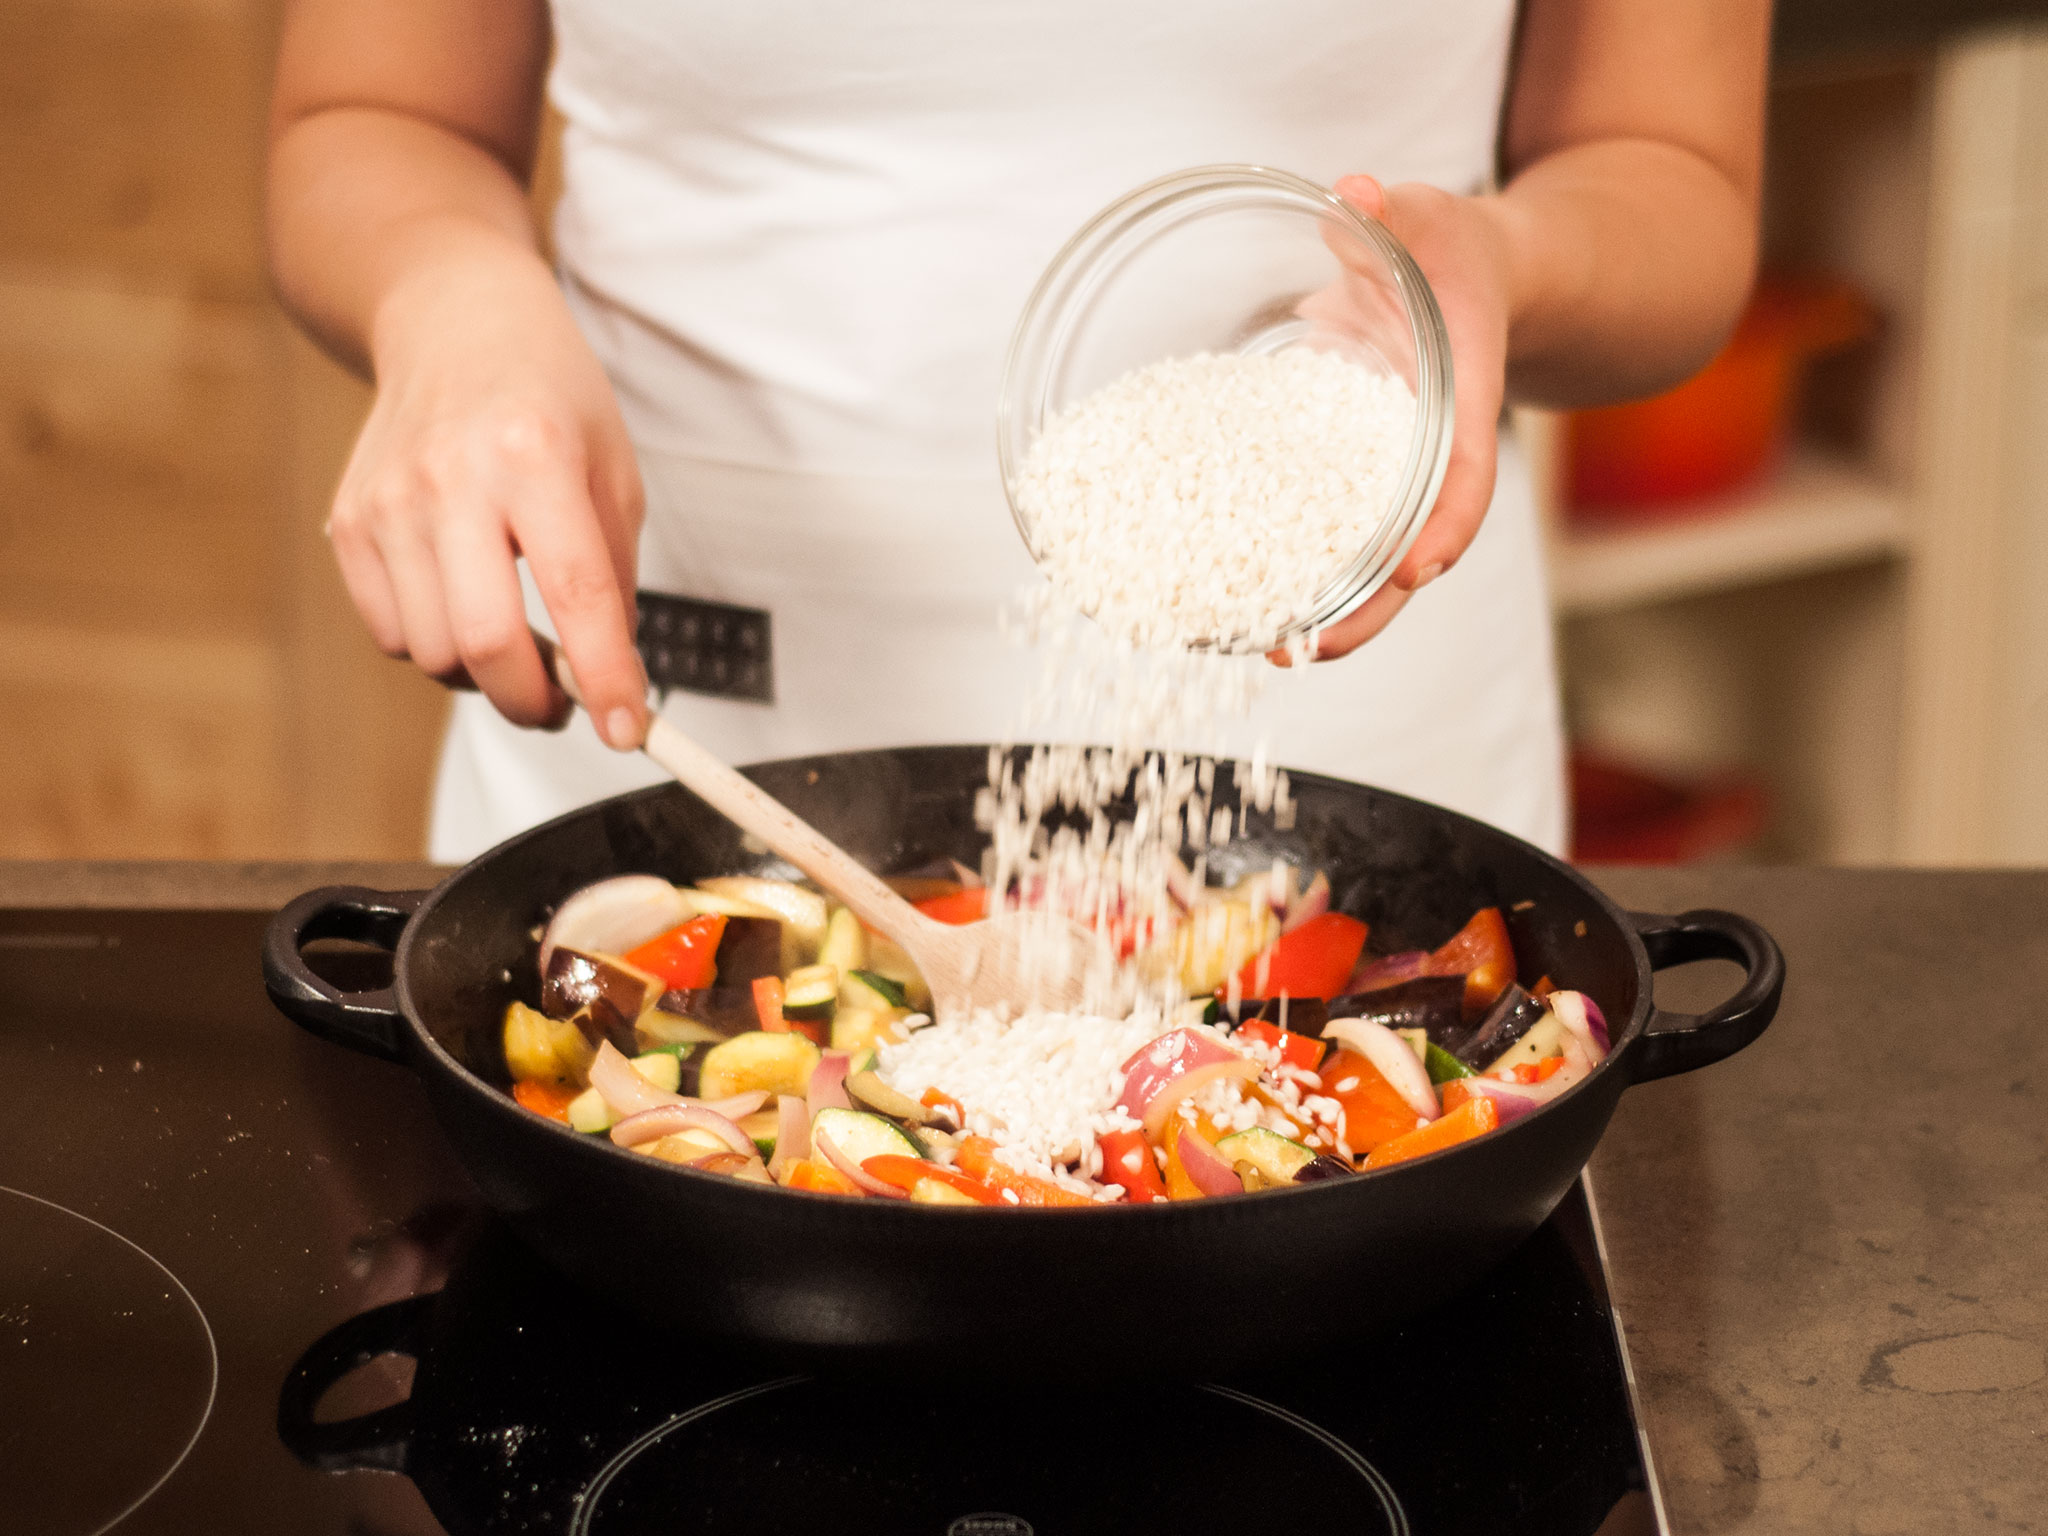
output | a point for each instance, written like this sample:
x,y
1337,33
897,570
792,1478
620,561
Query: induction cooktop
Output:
x,y
243,1287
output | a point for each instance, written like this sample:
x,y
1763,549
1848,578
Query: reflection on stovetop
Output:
x,y
535,1408
291,1190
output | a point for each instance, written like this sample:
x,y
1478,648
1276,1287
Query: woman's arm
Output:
x,y
1618,254
402,134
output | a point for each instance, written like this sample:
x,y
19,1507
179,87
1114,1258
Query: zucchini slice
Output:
x,y
857,1135
541,1049
780,1063
846,943
1545,1038
1272,1154
589,1113
664,1069
810,991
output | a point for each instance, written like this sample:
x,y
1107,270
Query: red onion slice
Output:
x,y
667,1119
827,1088
614,916
792,1133
1205,1166
622,1087
822,1143
619,1083
1392,1058
1170,1098
1158,1062
1580,1015
1511,1101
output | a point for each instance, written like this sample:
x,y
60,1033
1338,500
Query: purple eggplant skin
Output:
x,y
750,948
575,981
600,1022
1300,1015
1324,1167
728,1010
1513,1014
1433,1004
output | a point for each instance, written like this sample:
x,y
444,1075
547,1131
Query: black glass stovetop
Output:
x,y
243,1287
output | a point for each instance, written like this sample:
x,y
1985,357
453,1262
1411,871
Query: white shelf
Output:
x,y
1817,514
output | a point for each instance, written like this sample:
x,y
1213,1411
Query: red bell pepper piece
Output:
x,y
1474,1117
967,905
904,1172
686,957
1481,953
1127,1160
1303,1051
1314,960
768,1005
1538,1071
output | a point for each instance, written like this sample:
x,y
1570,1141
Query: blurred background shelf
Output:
x,y
1820,512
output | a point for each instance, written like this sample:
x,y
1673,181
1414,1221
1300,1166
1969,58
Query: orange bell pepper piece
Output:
x,y
976,1157
550,1099
1481,953
821,1177
686,957
933,1099
1374,1111
1538,1071
1474,1117
904,1172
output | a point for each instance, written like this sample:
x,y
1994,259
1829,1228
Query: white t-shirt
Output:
x,y
798,236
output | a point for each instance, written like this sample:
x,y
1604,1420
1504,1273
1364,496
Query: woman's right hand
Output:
x,y
494,435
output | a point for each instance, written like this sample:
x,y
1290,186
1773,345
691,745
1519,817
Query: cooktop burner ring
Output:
x,y
183,1305
592,1501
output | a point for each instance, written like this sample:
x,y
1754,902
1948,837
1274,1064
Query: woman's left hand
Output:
x,y
1462,249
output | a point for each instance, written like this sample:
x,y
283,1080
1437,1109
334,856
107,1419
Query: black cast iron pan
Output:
x,y
1210,1285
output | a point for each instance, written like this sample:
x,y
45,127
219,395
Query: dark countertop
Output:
x,y
1830,1253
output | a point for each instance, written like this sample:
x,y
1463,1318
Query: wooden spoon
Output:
x,y
1005,963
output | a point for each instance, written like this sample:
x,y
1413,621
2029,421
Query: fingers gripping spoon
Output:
x,y
1002,963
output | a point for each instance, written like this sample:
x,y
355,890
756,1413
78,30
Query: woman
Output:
x,y
793,239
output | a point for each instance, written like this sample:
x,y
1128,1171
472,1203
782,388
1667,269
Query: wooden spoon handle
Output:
x,y
752,809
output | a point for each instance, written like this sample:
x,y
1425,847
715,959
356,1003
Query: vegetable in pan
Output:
x,y
753,1028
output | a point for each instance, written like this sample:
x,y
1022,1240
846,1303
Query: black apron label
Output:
x,y
710,648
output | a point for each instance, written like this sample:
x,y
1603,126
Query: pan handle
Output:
x,y
379,1441
363,1021
1681,1042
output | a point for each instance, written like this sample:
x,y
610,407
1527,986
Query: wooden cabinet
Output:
x,y
1861,628
180,670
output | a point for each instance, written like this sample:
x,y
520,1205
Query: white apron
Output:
x,y
797,236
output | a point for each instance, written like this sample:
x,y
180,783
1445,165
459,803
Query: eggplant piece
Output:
x,y
1377,974
1513,1014
1302,1015
574,980
723,1012
750,948
1324,1167
1433,1004
600,1022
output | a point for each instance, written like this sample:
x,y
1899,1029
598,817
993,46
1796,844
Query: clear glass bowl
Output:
x,y
1221,259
